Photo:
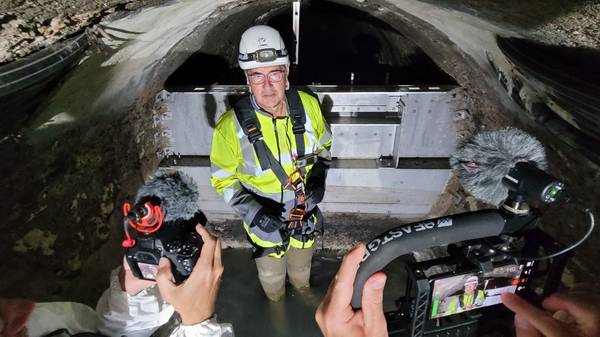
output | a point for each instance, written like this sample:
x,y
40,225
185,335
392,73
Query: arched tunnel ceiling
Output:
x,y
220,37
336,40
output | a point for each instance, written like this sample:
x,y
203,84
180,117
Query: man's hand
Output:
x,y
565,316
131,284
195,298
335,315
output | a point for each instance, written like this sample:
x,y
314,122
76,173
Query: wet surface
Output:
x,y
242,301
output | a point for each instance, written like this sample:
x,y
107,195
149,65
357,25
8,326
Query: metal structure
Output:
x,y
390,146
296,28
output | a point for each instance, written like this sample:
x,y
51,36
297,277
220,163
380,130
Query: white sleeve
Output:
x,y
121,314
208,328
49,317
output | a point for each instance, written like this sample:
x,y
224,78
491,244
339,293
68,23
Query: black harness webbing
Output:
x,y
298,117
246,116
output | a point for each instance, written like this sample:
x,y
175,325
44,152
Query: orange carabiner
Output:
x,y
295,180
297,214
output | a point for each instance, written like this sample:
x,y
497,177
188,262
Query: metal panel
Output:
x,y
362,141
364,124
406,122
427,128
406,193
190,119
347,103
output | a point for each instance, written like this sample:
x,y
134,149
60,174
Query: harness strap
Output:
x,y
298,117
246,116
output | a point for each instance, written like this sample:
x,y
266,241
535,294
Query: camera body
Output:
x,y
485,252
458,294
178,241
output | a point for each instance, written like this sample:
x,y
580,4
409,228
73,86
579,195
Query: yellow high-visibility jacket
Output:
x,y
237,175
465,302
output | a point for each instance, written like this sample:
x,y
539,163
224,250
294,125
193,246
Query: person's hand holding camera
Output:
x,y
564,316
131,284
195,298
335,315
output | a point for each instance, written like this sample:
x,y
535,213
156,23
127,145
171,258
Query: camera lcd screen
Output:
x,y
148,270
456,294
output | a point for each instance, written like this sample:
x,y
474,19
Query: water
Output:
x,y
242,302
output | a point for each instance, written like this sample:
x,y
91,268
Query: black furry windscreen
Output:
x,y
178,194
484,159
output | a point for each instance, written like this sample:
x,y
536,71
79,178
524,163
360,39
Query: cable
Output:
x,y
560,252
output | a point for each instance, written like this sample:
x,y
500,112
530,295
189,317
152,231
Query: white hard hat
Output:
x,y
262,46
472,280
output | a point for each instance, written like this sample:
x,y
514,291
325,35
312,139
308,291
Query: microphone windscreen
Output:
x,y
177,192
483,160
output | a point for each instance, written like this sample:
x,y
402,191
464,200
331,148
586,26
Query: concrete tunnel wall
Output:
x,y
461,44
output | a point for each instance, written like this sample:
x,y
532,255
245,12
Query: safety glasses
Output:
x,y
258,78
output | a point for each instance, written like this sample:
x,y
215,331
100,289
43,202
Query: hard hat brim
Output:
x,y
256,64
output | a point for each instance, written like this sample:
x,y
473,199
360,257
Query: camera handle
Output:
x,y
408,238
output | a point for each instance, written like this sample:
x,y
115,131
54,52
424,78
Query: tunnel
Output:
x,y
376,53
402,84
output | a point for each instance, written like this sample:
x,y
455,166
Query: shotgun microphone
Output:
x,y
483,162
177,192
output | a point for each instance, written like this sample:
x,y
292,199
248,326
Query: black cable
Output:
x,y
555,254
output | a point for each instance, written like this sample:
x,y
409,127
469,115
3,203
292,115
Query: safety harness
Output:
x,y
246,116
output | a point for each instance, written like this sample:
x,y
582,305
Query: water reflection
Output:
x,y
242,301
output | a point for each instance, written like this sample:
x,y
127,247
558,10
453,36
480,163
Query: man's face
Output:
x,y
470,288
268,85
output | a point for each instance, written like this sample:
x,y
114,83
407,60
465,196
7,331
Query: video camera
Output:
x,y
164,219
487,252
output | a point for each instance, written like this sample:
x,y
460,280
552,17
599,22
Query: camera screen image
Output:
x,y
456,294
148,270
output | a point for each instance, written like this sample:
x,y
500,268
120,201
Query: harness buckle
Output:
x,y
298,122
253,132
297,214
298,129
304,161
295,181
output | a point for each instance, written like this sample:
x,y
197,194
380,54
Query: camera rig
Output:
x,y
478,243
154,238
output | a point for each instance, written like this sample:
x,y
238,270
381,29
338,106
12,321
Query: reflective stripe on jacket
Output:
x,y
236,171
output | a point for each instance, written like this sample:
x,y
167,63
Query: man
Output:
x,y
269,160
130,307
471,298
